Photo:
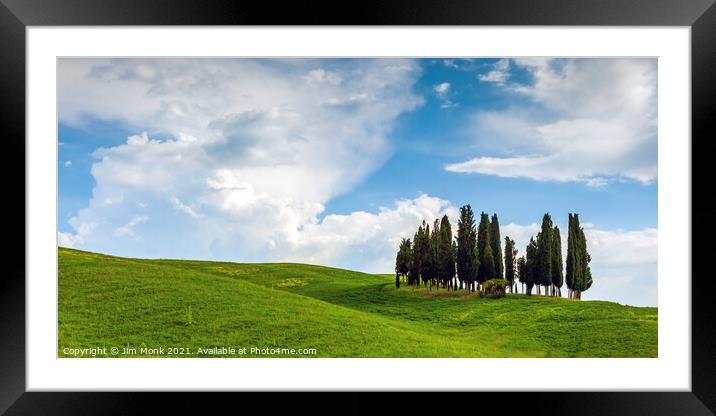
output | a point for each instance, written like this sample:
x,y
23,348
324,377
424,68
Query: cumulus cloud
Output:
x,y
78,237
450,63
498,74
128,228
593,120
233,158
442,92
180,206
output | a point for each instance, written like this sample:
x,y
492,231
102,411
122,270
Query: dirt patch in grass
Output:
x,y
440,295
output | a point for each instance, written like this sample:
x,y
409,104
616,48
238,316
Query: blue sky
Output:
x,y
331,161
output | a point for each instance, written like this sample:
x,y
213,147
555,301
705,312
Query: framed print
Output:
x,y
454,199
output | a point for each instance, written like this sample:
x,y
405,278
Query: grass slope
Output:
x,y
107,301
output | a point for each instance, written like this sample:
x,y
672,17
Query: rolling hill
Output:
x,y
107,301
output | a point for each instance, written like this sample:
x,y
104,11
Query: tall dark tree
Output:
x,y
578,272
522,272
402,260
428,258
454,257
557,265
531,276
496,244
544,254
434,269
510,263
466,263
586,281
485,256
414,265
487,266
446,259
571,262
421,252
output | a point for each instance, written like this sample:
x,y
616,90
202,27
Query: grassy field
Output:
x,y
194,306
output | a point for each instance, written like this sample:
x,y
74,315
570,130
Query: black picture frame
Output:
x,y
16,15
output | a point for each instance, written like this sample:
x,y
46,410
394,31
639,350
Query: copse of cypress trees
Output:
x,y
436,257
496,244
485,256
510,262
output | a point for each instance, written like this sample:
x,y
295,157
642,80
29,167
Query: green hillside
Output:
x,y
107,301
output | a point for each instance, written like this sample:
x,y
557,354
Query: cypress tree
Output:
x,y
510,262
571,253
414,265
486,270
466,246
586,272
522,271
578,273
476,266
446,259
454,257
421,254
402,261
557,266
427,257
434,248
496,244
531,276
544,253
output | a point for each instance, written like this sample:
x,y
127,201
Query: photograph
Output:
x,y
366,207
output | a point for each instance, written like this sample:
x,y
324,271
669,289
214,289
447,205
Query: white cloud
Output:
x,y
594,120
128,228
67,163
442,91
442,88
180,206
362,240
241,155
460,64
321,75
70,239
498,74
